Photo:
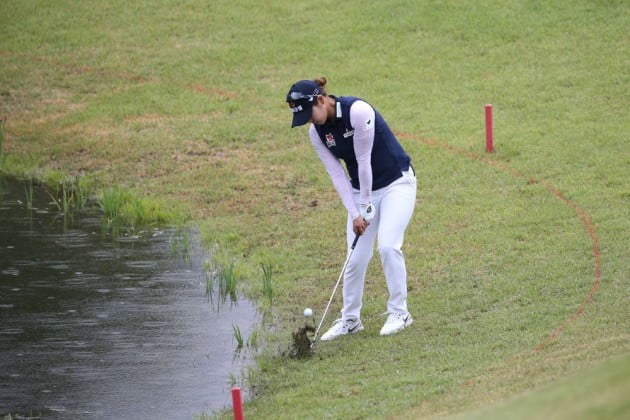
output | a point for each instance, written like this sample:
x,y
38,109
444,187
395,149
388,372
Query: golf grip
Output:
x,y
343,270
356,239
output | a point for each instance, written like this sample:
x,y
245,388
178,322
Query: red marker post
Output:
x,y
489,139
237,403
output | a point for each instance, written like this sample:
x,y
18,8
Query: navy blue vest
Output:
x,y
389,159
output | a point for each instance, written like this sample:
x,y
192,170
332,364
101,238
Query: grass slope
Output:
x,y
518,261
594,393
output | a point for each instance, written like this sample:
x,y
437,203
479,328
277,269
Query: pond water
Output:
x,y
101,326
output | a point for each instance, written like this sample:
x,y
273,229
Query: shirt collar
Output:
x,y
338,109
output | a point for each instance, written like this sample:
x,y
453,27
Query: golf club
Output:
x,y
343,270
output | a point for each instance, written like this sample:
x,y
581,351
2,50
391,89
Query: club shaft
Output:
x,y
343,270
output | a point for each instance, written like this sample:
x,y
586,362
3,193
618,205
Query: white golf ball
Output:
x,y
308,312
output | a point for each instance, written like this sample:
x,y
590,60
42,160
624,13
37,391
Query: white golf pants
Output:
x,y
394,208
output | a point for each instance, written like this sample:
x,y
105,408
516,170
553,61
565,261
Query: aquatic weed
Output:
x,y
180,244
228,278
29,194
238,336
232,380
62,203
252,340
267,286
222,271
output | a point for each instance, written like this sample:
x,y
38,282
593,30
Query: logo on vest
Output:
x,y
348,133
330,140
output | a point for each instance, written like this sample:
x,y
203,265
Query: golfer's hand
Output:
x,y
359,225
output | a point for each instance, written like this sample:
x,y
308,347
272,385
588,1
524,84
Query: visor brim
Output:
x,y
302,117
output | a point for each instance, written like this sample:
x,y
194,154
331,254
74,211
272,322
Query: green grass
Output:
x,y
596,393
122,208
182,103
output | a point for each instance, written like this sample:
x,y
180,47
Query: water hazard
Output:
x,y
95,326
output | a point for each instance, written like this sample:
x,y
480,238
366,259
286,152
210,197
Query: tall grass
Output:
x,y
121,208
111,203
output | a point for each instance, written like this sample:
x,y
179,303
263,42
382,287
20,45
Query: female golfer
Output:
x,y
378,190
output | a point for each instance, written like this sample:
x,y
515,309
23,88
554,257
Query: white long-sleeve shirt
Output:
x,y
362,119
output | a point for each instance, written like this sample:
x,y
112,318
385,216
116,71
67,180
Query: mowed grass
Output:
x,y
518,261
597,392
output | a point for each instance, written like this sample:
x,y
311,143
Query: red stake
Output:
x,y
237,403
489,145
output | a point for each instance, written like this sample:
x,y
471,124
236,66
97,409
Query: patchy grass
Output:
x,y
517,260
599,392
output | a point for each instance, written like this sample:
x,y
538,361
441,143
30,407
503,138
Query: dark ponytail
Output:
x,y
321,82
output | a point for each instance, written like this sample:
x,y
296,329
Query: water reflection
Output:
x,y
100,327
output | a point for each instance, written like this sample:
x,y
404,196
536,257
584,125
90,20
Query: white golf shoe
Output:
x,y
395,323
342,327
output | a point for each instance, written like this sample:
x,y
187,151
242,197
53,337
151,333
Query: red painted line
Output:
x,y
597,266
589,227
489,135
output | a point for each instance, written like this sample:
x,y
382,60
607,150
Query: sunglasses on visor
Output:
x,y
296,96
